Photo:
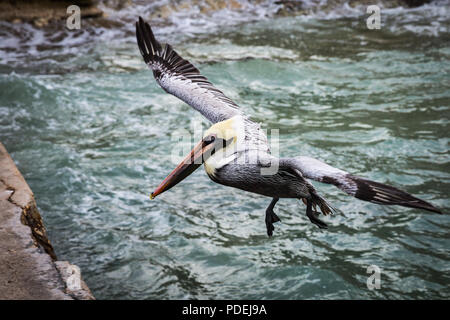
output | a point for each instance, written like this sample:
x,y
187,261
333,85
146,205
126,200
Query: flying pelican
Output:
x,y
235,151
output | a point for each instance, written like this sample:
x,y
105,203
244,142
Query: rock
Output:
x,y
75,286
40,22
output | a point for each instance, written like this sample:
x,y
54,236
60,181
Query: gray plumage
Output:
x,y
358,187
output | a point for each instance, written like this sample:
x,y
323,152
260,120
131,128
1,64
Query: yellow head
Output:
x,y
228,132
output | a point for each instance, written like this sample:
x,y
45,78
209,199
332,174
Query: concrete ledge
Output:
x,y
28,266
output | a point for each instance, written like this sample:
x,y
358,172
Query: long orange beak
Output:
x,y
193,160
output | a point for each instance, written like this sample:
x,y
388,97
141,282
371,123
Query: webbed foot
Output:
x,y
313,217
271,218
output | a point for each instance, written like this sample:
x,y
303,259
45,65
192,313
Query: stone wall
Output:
x,y
28,264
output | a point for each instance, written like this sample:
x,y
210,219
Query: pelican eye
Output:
x,y
210,139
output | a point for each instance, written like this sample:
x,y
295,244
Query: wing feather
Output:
x,y
179,77
358,187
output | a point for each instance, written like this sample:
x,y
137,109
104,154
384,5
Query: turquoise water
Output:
x,y
91,132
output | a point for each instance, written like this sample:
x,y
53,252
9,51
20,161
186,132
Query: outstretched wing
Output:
x,y
358,187
179,77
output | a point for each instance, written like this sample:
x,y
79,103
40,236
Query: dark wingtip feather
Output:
x,y
167,63
148,45
140,43
383,194
152,51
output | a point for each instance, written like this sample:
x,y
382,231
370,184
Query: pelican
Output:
x,y
235,151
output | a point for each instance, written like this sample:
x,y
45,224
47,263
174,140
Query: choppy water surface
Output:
x,y
91,132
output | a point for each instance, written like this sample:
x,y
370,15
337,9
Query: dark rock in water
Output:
x,y
416,3
293,7
290,7
44,12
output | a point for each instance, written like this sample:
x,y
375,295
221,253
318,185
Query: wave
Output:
x,y
24,46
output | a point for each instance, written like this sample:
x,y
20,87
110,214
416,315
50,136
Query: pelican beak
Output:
x,y
201,152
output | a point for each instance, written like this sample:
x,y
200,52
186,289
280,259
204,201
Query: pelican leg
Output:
x,y
312,215
271,217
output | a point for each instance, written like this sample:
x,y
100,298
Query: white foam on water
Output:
x,y
57,49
